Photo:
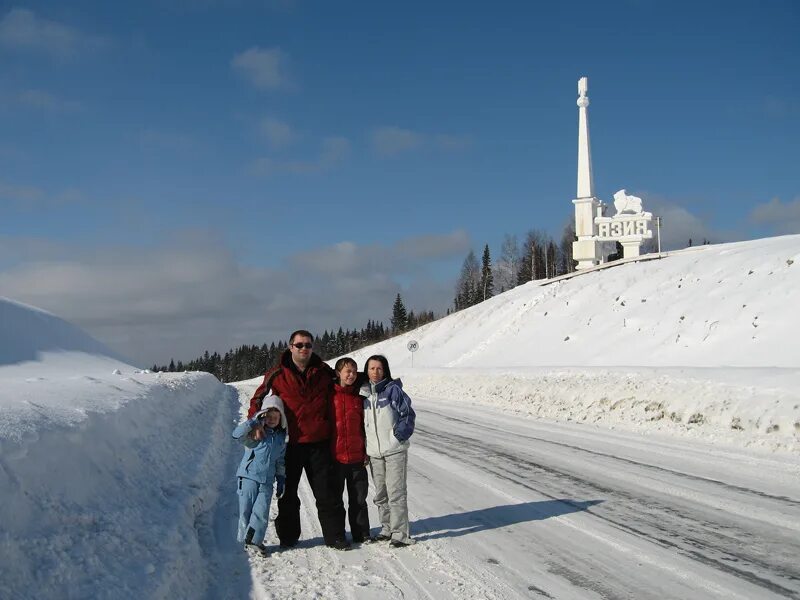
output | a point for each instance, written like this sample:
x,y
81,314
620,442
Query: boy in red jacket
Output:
x,y
348,447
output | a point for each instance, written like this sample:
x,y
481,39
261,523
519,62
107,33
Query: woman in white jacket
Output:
x,y
388,425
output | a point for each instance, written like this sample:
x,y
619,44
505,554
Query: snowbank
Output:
x,y
761,410
26,332
106,477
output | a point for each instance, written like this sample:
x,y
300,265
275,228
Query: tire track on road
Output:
x,y
656,522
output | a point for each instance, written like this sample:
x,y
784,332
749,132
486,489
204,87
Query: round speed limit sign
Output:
x,y
413,346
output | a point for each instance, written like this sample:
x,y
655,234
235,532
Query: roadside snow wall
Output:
x,y
114,502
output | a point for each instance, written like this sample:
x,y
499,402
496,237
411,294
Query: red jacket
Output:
x,y
347,442
306,400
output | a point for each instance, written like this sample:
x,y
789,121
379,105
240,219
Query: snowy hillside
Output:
x,y
712,306
704,343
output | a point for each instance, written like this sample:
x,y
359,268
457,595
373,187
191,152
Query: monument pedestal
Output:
x,y
631,249
586,253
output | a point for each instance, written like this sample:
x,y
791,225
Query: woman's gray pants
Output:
x,y
389,477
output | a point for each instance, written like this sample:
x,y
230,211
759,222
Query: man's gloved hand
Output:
x,y
281,486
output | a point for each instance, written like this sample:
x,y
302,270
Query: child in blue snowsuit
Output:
x,y
264,437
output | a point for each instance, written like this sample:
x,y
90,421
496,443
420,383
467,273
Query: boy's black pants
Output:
x,y
357,480
315,458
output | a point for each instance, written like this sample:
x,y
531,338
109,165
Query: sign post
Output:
x,y
658,227
412,346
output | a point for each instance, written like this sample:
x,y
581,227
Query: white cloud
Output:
x,y
679,224
781,218
279,134
45,101
390,141
191,294
21,195
333,150
402,257
25,197
264,68
23,30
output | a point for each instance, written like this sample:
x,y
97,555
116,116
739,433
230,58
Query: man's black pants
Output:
x,y
357,480
315,458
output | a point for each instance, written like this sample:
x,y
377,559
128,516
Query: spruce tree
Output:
x,y
487,279
399,315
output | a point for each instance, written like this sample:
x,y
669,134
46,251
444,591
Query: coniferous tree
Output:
x,y
399,315
487,279
468,283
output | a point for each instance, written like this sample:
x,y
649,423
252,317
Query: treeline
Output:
x,y
246,362
538,256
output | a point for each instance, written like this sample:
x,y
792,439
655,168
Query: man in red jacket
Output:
x,y
305,384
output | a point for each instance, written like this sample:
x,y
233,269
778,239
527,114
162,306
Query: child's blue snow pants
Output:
x,y
254,501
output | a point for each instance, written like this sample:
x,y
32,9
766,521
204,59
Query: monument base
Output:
x,y
631,249
587,253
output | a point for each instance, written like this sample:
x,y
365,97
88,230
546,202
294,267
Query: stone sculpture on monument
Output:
x,y
627,204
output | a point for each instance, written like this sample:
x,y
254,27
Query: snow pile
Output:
x,y
107,473
762,412
27,332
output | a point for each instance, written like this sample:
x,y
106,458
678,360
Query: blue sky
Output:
x,y
179,175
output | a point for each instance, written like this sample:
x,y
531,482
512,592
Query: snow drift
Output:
x,y
107,473
27,332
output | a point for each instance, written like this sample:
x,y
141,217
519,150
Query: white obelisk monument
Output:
x,y
586,251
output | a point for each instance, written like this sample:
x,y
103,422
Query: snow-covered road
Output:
x,y
507,507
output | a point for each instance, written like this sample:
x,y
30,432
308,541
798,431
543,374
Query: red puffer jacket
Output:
x,y
347,442
306,400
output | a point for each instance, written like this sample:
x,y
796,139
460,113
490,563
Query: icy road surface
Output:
x,y
507,507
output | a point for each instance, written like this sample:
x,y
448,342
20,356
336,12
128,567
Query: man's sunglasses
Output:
x,y
307,346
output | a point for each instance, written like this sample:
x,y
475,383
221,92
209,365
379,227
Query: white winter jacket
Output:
x,y
388,417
